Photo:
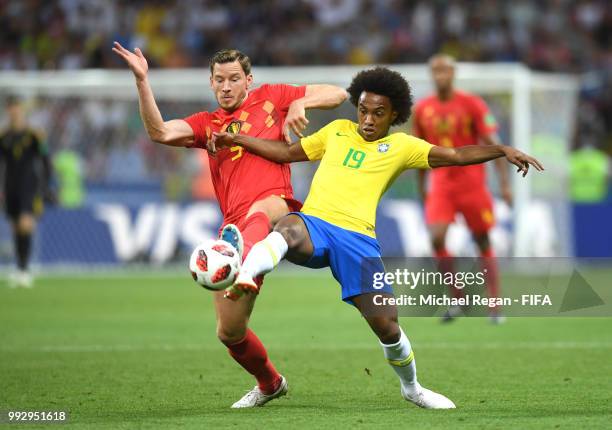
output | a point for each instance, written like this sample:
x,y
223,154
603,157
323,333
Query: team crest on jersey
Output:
x,y
383,147
234,127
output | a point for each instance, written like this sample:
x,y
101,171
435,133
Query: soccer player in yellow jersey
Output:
x,y
336,225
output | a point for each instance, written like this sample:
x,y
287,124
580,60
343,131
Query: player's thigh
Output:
x,y
293,228
439,214
439,208
356,263
477,210
12,207
275,207
21,206
233,316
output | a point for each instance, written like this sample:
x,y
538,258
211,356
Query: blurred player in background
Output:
x,y
336,227
253,193
452,119
27,177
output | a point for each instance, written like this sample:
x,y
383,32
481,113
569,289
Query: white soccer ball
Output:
x,y
214,264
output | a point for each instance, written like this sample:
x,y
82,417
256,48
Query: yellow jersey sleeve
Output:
x,y
416,153
315,145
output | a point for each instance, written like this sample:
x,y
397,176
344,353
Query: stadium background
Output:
x,y
102,154
137,348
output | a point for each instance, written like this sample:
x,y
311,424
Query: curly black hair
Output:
x,y
384,82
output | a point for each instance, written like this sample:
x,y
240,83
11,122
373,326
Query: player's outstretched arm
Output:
x,y
320,96
475,154
174,132
273,150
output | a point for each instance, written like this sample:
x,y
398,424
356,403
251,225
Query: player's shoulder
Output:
x,y
467,97
339,125
205,116
342,124
425,101
271,88
405,138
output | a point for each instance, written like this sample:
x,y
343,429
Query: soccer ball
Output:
x,y
214,264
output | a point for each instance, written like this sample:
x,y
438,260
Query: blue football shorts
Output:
x,y
353,257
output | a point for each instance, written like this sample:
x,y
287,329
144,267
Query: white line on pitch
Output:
x,y
203,347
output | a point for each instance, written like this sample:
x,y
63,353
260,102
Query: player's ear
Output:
x,y
249,80
393,116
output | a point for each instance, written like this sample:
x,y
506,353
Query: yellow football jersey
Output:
x,y
354,173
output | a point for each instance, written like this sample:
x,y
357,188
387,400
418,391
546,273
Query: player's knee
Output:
x,y
25,224
438,242
274,207
387,330
230,335
291,232
390,334
482,240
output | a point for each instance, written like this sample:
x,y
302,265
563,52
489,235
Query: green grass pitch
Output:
x,y
126,352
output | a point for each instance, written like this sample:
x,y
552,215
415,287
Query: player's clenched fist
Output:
x,y
135,60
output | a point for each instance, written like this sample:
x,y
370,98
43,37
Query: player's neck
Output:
x,y
445,95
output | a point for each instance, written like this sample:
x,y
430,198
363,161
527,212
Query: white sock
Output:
x,y
265,255
401,358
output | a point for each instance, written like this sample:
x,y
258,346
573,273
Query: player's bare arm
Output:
x,y
174,132
273,150
318,96
502,172
476,154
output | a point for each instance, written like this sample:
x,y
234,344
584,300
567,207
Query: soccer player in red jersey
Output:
x,y
253,193
454,118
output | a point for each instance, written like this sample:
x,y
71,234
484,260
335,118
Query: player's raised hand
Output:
x,y
522,160
295,121
135,60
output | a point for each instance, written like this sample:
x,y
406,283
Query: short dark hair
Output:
x,y
384,82
229,56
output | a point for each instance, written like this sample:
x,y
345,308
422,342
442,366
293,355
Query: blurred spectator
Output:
x,y
589,171
550,35
69,175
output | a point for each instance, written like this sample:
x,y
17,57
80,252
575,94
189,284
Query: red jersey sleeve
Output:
x,y
483,118
199,123
282,95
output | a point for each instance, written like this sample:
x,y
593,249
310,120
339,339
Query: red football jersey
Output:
x,y
460,121
239,177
